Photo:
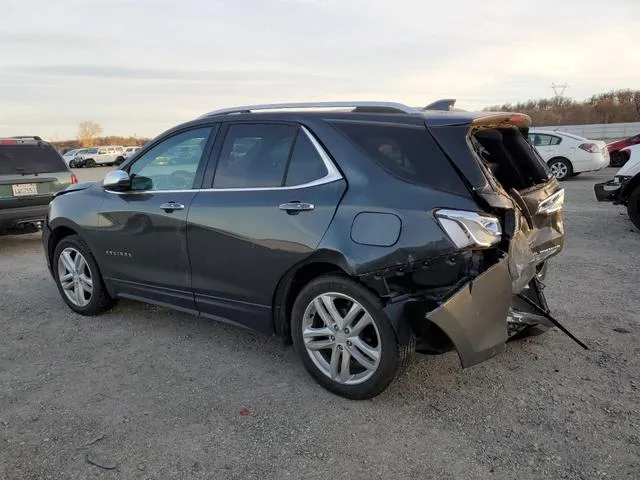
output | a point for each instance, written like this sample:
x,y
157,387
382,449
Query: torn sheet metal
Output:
x,y
474,318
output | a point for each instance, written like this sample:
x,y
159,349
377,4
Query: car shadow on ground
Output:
x,y
269,362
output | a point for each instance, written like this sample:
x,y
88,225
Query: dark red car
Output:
x,y
618,157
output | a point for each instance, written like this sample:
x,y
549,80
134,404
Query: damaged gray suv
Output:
x,y
359,232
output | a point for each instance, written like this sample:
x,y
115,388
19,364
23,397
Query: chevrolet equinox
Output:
x,y
359,232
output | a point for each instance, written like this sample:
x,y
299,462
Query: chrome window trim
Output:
x,y
333,174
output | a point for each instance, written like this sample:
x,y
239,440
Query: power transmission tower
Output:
x,y
559,89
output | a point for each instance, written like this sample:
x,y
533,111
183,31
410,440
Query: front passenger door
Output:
x,y
142,231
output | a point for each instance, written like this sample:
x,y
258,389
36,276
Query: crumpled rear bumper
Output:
x,y
475,317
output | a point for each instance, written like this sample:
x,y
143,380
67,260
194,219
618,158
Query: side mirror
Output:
x,y
117,180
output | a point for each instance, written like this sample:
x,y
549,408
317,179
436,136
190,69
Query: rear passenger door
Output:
x,y
269,201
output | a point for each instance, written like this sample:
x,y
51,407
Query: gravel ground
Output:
x,y
152,394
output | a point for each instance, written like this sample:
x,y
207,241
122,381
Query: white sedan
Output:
x,y
568,155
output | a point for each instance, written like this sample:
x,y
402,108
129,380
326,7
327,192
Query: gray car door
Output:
x,y
272,198
142,232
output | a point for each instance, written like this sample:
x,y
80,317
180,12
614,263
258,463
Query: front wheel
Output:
x,y
561,168
78,278
633,207
90,163
345,340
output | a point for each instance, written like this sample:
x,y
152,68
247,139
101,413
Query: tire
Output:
x,y
99,299
90,163
633,207
561,168
118,161
358,382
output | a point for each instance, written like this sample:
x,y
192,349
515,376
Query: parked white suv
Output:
x,y
108,155
568,155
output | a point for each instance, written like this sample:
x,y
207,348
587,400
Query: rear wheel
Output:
x,y
344,339
633,207
561,168
78,278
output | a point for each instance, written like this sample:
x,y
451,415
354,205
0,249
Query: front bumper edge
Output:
x,y
608,191
475,317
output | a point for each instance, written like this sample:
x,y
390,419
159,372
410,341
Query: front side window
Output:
x,y
254,156
172,164
102,151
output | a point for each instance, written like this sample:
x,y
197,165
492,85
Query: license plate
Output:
x,y
22,189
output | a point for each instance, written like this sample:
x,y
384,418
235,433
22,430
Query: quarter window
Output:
x,y
254,156
305,165
172,164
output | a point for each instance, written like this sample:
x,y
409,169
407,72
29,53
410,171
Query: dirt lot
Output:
x,y
157,394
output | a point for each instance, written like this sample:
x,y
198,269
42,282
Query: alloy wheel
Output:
x,y
559,170
341,338
75,277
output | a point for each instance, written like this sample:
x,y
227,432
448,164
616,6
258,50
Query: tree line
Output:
x,y
90,135
616,106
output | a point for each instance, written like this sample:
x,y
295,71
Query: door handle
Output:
x,y
171,206
295,207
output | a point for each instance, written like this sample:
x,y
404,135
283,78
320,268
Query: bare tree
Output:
x,y
87,133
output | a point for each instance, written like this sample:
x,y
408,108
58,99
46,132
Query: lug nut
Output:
x,y
349,344
333,339
340,347
346,330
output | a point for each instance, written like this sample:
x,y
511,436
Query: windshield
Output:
x,y
29,159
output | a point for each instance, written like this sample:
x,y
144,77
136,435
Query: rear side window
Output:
x,y
542,140
29,159
254,156
408,152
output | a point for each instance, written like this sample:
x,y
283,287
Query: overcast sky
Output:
x,y
141,66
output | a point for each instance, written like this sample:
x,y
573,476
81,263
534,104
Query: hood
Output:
x,y
75,188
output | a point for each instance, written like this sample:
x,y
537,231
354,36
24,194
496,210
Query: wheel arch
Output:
x,y
294,280
57,234
630,187
559,157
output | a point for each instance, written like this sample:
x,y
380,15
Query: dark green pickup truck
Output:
x,y
31,171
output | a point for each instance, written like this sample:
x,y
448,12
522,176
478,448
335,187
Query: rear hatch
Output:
x,y
504,171
31,171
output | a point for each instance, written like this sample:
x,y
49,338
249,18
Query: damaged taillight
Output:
x,y
553,203
468,229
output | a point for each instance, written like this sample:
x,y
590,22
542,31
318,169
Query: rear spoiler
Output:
x,y
445,104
